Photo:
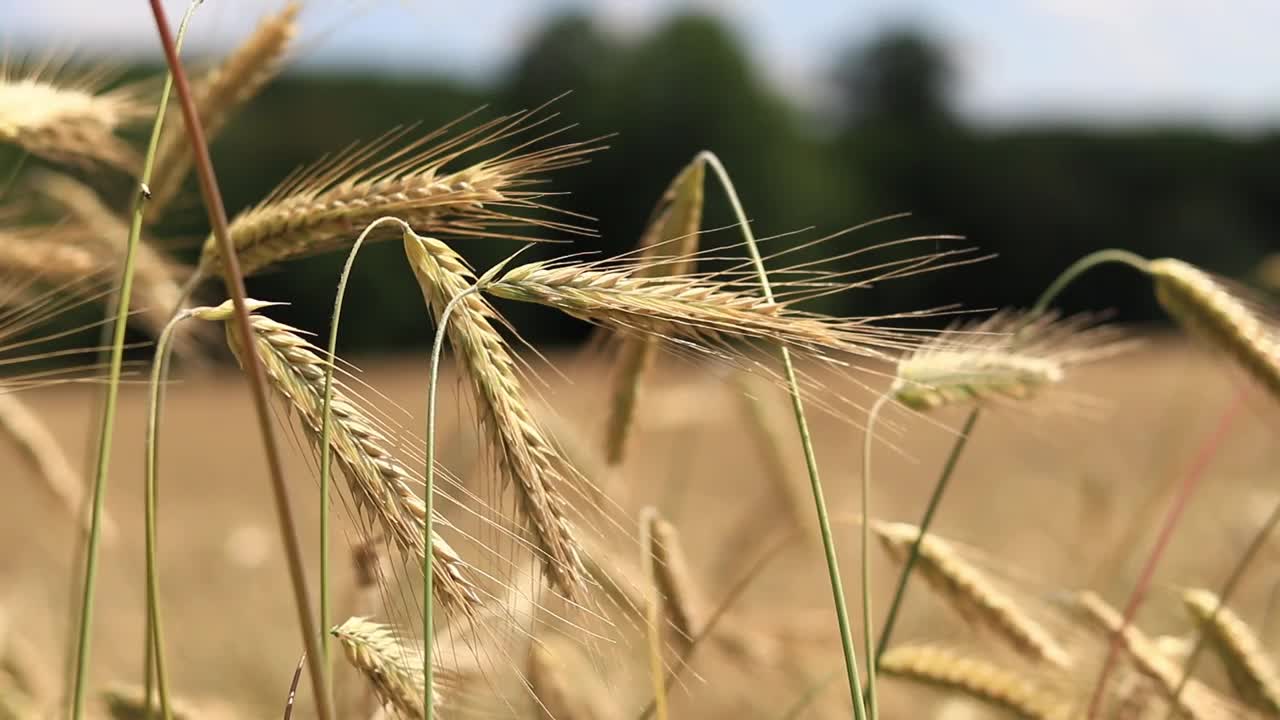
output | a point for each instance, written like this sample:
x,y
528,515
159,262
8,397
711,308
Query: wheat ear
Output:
x,y
672,232
392,667
68,118
319,209
975,678
682,603
1204,306
379,482
972,594
1251,670
522,452
218,95
40,448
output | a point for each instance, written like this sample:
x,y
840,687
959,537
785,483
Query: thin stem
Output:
x,y
107,429
652,622
155,635
1180,501
810,694
428,619
867,630
806,441
926,520
326,453
253,368
1079,267
1224,595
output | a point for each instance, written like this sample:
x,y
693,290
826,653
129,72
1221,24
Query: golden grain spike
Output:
x,y
682,602
669,245
218,95
69,119
522,452
323,207
1203,306
1006,357
977,679
380,484
1252,671
392,667
972,594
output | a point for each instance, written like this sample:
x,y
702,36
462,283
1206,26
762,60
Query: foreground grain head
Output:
x,y
379,483
392,666
521,451
1251,669
68,117
321,208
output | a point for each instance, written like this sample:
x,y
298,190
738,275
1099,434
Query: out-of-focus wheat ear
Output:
x,y
1010,356
39,446
558,692
218,95
975,678
380,484
522,452
975,596
1205,307
157,280
1252,671
670,244
392,666
128,702
682,602
1197,701
70,118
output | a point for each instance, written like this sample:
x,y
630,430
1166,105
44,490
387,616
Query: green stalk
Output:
x,y
428,618
652,622
867,631
107,431
155,634
326,454
810,694
806,441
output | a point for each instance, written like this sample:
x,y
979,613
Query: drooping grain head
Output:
x,y
1009,357
978,679
669,246
68,117
972,594
322,208
1207,308
392,666
380,484
218,95
523,454
1251,669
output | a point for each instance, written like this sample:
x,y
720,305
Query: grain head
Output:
x,y
1252,671
977,679
392,666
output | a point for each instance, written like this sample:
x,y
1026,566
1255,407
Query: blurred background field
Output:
x,y
1039,132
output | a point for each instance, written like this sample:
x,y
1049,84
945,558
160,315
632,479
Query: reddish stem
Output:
x,y
1180,501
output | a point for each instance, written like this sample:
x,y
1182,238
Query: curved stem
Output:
x,y
652,621
1079,267
428,629
1224,595
116,363
326,453
234,281
867,631
926,520
155,634
806,441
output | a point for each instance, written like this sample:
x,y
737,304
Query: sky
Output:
x,y
1114,62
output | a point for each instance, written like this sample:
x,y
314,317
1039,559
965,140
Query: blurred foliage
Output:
x,y
1039,198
